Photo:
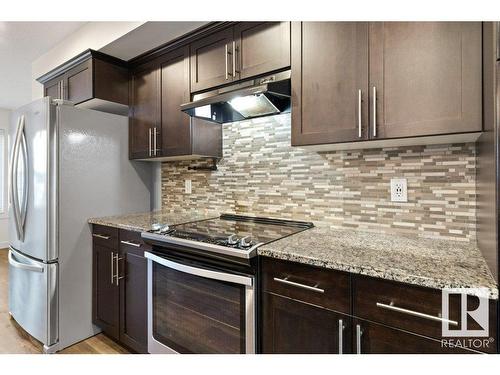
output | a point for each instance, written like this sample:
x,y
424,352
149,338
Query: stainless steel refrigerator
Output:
x,y
66,165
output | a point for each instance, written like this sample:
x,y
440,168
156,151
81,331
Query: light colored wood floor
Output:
x,y
13,340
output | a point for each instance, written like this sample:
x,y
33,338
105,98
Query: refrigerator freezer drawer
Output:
x,y
33,296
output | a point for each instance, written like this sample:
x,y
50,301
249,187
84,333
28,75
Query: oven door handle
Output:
x,y
202,272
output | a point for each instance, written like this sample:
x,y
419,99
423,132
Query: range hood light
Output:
x,y
205,111
253,105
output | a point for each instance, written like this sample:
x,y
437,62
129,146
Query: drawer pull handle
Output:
x,y
416,313
131,243
102,236
288,282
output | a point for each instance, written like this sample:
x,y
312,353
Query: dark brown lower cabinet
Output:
x,y
373,338
306,309
120,286
133,292
105,293
294,327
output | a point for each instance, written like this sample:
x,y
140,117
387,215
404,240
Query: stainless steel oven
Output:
x,y
198,308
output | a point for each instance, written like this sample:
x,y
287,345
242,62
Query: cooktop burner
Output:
x,y
229,234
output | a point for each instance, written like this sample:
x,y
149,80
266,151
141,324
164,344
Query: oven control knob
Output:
x,y
246,242
232,239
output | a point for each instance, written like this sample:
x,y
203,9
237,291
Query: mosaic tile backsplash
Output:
x,y
263,175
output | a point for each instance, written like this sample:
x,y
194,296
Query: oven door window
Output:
x,y
193,314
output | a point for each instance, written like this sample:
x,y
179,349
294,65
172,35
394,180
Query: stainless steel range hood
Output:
x,y
258,97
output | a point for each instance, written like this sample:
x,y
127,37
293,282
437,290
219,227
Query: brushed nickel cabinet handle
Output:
x,y
101,236
360,98
225,58
150,141
112,268
341,334
416,313
117,276
374,111
303,286
359,332
234,59
155,142
131,243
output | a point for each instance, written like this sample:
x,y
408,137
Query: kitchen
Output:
x,y
232,188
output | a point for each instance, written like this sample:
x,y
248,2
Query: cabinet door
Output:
x,y
329,82
261,47
78,83
372,338
105,293
133,293
175,124
211,62
144,112
293,327
53,88
427,77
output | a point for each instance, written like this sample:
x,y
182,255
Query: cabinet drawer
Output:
x,y
318,286
105,236
412,308
132,241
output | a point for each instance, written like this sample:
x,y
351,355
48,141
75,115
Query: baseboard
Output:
x,y
4,245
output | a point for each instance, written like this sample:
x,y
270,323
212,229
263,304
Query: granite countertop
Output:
x,y
414,260
141,222
425,262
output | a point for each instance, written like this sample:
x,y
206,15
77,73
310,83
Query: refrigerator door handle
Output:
x,y
11,164
13,178
23,266
24,206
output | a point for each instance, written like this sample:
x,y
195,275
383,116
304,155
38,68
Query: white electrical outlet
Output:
x,y
399,191
187,186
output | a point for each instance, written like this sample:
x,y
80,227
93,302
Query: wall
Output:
x,y
93,35
4,216
263,175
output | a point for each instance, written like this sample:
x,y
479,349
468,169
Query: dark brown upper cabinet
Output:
x,y
261,47
54,88
245,50
329,82
90,80
210,65
78,82
425,78
175,124
159,130
144,115
415,79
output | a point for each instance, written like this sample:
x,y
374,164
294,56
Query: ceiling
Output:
x,y
20,44
148,36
